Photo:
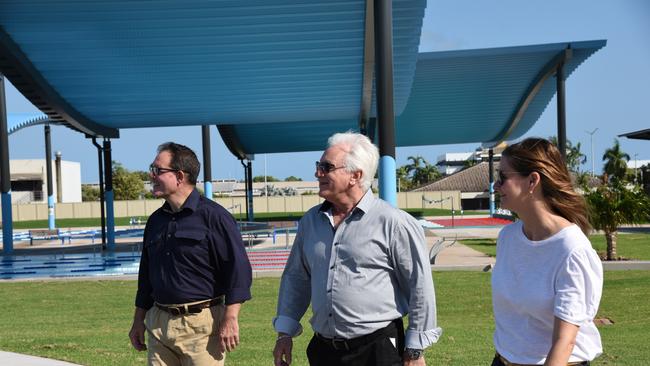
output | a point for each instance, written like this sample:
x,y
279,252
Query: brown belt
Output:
x,y
508,363
193,308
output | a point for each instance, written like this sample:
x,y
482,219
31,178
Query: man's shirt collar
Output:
x,y
191,202
364,204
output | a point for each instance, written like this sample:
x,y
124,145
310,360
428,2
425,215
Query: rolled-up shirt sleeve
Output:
x,y
235,274
295,291
413,272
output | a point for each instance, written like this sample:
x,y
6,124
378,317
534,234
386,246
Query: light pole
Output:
x,y
591,138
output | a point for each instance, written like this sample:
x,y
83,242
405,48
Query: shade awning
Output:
x,y
457,97
103,66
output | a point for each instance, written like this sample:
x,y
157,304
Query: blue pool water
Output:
x,y
69,265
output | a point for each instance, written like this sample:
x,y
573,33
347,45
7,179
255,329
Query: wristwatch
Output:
x,y
413,353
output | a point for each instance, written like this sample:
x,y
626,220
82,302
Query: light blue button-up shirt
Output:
x,y
372,269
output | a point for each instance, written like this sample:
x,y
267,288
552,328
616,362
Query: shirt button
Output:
x,y
167,253
336,244
330,315
328,291
169,235
173,218
332,267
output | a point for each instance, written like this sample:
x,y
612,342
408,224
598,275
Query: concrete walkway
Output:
x,y
17,359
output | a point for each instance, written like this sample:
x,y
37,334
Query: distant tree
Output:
x,y
126,185
417,173
404,183
612,205
615,162
260,178
144,176
420,171
426,174
292,178
89,193
470,163
574,157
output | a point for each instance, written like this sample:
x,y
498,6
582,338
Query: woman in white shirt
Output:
x,y
547,281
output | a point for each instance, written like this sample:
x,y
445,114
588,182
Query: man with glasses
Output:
x,y
194,272
362,264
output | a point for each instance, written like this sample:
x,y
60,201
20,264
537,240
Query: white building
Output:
x,y
29,181
451,163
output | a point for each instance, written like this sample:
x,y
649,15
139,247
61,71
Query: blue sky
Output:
x,y
609,91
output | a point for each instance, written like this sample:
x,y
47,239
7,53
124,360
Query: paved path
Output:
x,y
17,359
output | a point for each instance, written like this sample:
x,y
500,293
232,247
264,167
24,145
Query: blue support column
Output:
x,y
48,172
108,193
7,224
388,180
385,111
491,175
5,176
250,216
207,162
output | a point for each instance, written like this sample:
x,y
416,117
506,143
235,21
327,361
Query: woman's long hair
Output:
x,y
541,156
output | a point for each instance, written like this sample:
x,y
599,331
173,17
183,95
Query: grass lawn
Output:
x,y
87,322
629,246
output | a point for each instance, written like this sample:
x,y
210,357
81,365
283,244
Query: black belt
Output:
x,y
342,344
191,309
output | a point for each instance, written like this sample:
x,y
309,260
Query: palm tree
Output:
x,y
420,171
402,178
612,205
574,157
615,161
417,163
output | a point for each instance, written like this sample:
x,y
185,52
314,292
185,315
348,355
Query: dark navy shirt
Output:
x,y
191,255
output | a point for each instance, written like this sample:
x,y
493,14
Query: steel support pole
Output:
x,y
207,161
5,176
102,198
110,213
561,111
385,112
491,174
249,189
59,178
48,172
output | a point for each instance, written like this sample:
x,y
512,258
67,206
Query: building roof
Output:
x,y
473,179
640,135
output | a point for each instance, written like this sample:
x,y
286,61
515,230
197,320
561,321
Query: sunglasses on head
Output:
x,y
325,167
157,170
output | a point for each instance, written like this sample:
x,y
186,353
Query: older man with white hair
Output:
x,y
362,264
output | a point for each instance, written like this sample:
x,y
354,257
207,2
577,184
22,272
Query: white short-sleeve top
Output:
x,y
535,281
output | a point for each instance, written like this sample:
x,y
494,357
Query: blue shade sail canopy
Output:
x,y
106,65
457,97
18,121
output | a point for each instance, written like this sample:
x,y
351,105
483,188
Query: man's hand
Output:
x,y
229,329
136,334
282,350
419,362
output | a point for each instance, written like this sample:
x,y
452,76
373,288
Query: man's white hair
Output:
x,y
361,155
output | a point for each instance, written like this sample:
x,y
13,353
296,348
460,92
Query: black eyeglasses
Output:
x,y
502,177
325,167
158,170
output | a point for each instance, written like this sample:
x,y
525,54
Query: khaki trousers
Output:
x,y
184,340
